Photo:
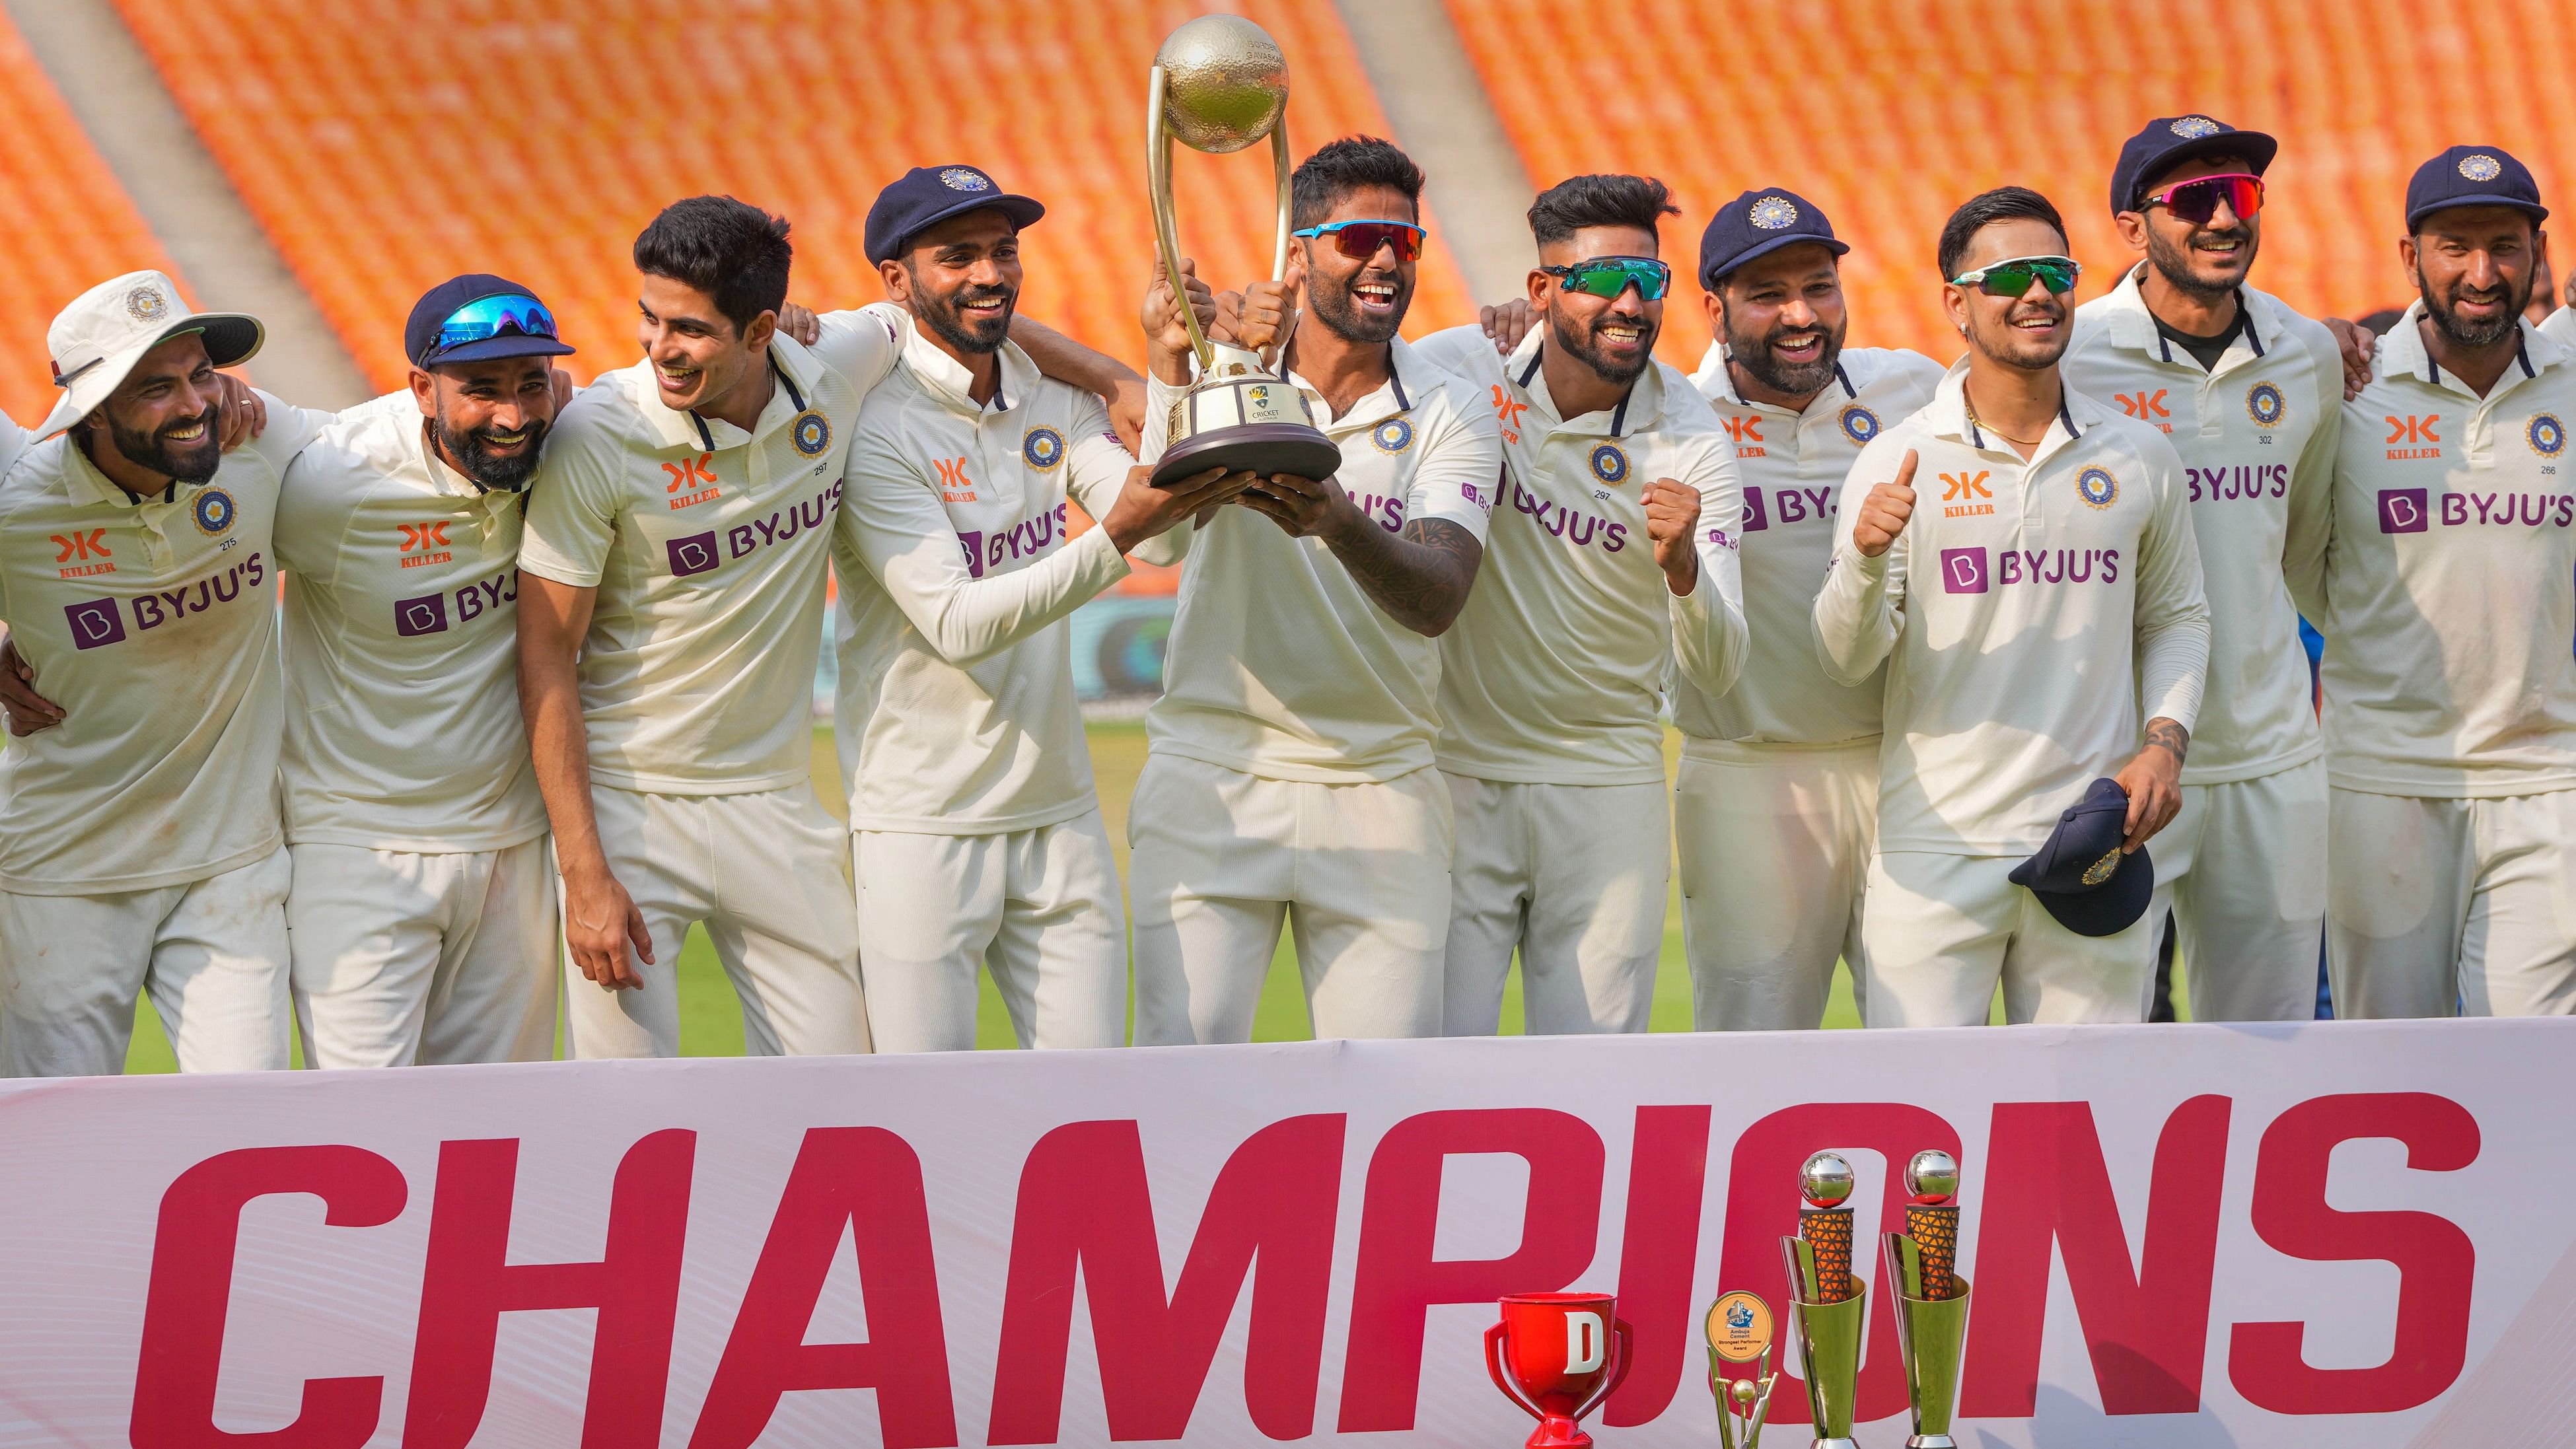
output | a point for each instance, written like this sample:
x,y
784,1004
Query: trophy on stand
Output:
x,y
1558,1355
1739,1332
1931,1298
1827,1304
1220,84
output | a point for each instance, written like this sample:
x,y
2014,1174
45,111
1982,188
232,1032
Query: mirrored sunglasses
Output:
x,y
2013,278
2196,200
1361,239
1609,276
485,318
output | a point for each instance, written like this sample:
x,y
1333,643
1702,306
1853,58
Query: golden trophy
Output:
x,y
1738,1328
1219,85
1930,1295
1828,1303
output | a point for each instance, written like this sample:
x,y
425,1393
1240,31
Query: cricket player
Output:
x,y
2250,394
975,830
422,914
2023,613
2450,692
140,843
1775,811
1288,774
670,606
1614,561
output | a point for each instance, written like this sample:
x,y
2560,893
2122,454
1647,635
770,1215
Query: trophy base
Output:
x,y
1834,1444
1264,448
1931,1441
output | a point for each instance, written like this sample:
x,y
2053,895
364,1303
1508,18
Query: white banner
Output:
x,y
2346,1234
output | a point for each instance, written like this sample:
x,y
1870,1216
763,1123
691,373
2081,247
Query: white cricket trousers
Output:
x,y
768,874
2444,906
1039,908
212,953
404,958
1941,931
1574,877
2243,866
1358,872
1774,842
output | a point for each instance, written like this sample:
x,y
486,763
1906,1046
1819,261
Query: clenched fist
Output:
x,y
1884,511
1672,516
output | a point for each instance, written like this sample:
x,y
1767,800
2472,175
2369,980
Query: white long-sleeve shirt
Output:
x,y
1554,672
2450,585
2022,615
2256,435
956,712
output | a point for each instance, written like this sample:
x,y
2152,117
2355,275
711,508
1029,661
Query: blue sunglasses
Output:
x,y
485,318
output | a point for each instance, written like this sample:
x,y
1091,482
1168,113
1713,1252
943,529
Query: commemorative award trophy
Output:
x,y
1219,85
1739,1333
1826,1303
1931,1298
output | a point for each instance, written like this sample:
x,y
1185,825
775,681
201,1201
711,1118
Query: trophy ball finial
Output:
x,y
1225,83
1826,1180
1742,1392
1932,1176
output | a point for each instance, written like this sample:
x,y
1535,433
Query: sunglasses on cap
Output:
x,y
1609,276
485,318
2013,278
2196,200
1361,239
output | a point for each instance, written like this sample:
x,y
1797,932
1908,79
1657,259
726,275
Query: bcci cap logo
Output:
x,y
1042,449
1609,464
2097,487
2480,166
2263,404
1393,436
1859,424
2546,435
146,304
214,511
965,178
1772,213
811,434
2192,128
2103,869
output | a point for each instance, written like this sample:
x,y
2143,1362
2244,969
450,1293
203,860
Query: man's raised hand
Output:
x,y
1884,511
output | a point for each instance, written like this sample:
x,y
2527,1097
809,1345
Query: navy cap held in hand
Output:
x,y
1758,223
928,195
2079,874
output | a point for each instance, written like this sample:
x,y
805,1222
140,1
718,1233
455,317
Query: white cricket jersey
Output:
x,y
1279,663
1793,465
2560,327
2450,585
154,625
956,713
1554,672
707,547
2256,435
403,729
2060,595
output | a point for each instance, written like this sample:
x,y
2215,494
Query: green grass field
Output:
x,y
711,1023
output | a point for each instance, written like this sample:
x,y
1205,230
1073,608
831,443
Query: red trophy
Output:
x,y
1558,1355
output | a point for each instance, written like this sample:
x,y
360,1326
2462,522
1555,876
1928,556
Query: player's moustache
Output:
x,y
170,430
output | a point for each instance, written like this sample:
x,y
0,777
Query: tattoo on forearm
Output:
x,y
1420,577
2171,736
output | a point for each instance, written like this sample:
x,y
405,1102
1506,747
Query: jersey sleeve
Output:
x,y
2311,513
2172,619
862,344
1097,472
292,429
572,509
1860,611
892,522
312,515
1466,351
1709,634
1459,478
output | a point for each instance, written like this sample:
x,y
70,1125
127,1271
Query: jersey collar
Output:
x,y
2132,325
790,363
1947,413
86,484
1641,409
1716,382
945,378
2402,353
1392,400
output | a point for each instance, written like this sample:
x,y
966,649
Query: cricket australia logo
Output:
x,y
2264,405
1859,424
1042,449
812,434
1610,464
2097,487
2546,435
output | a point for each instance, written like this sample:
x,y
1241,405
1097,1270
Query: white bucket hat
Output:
x,y
97,340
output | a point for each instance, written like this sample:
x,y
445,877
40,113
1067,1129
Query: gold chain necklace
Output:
x,y
1981,424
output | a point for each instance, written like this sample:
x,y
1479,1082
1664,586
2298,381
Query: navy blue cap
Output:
x,y
2079,873
1758,223
439,303
928,195
2168,141
2473,176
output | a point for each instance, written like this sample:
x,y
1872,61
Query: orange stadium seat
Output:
x,y
1887,113
76,226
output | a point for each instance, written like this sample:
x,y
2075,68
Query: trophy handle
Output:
x,y
1502,1380
1280,164
1622,1358
1158,181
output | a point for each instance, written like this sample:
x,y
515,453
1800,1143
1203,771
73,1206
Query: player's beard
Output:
x,y
1752,352
2174,263
1583,349
2009,345
470,449
1332,304
947,317
2463,333
189,463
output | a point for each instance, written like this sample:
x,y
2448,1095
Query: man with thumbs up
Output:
x,y
2021,559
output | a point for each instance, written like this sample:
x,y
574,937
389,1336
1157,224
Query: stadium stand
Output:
x,y
386,144
1888,113
76,227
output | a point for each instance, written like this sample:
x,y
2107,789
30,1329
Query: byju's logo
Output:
x,y
2404,510
424,615
1963,571
95,622
695,554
